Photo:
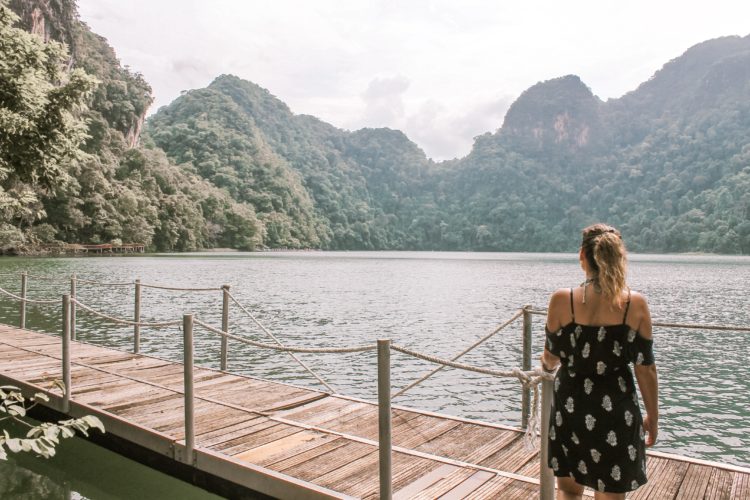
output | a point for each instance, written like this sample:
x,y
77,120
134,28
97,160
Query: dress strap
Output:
x,y
627,306
572,311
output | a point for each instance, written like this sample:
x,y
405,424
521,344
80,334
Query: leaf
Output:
x,y
40,396
14,445
66,432
17,410
3,454
94,422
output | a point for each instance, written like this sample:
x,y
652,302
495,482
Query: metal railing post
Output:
x,y
22,312
384,418
224,324
137,318
187,328
546,478
526,365
66,352
72,307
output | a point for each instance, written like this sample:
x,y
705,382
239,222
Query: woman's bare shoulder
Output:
x,y
640,314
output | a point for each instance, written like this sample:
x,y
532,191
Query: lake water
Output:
x,y
438,303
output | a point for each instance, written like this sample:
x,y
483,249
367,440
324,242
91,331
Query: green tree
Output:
x,y
40,125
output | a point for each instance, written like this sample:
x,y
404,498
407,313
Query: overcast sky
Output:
x,y
442,71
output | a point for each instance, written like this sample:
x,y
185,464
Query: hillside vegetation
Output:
x,y
231,165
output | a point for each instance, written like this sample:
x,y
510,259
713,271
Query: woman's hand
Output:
x,y
651,426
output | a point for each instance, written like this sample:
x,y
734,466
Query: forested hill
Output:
x,y
669,163
230,165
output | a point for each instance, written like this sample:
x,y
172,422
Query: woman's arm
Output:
x,y
555,310
648,381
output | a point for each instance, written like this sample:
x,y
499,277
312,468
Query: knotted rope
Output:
x,y
177,289
283,348
26,299
529,380
161,324
102,283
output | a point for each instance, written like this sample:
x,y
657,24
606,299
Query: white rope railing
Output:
x,y
28,300
177,289
283,348
528,379
102,283
161,324
461,354
275,339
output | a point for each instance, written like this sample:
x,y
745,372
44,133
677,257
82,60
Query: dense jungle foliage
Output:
x,y
230,165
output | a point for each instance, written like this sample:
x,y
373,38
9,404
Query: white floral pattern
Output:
x,y
557,384
590,422
586,350
582,467
617,349
595,455
558,418
639,359
615,472
569,405
631,452
600,485
555,465
631,335
628,418
552,434
601,334
612,438
622,384
634,485
607,403
601,366
575,439
588,385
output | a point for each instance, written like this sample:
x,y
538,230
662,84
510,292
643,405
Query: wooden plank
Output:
x,y
212,438
740,486
422,430
695,483
207,419
314,410
272,451
287,463
461,441
494,488
665,476
444,485
333,459
362,479
510,458
424,482
244,443
469,485
719,484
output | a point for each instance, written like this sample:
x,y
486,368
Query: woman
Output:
x,y
597,437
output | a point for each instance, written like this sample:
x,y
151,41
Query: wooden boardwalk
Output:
x,y
291,442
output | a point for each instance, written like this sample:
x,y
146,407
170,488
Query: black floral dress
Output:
x,y
596,431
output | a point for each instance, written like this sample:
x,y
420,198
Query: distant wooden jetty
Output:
x,y
87,249
237,435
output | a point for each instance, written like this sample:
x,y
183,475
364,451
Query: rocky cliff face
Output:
x,y
122,99
556,115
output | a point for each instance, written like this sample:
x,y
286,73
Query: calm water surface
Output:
x,y
437,303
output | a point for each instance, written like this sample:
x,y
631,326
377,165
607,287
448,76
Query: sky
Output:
x,y
442,71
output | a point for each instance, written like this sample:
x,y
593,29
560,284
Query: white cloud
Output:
x,y
448,62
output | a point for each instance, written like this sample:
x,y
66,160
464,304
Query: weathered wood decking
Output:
x,y
291,442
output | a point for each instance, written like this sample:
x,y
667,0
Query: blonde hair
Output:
x,y
606,256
